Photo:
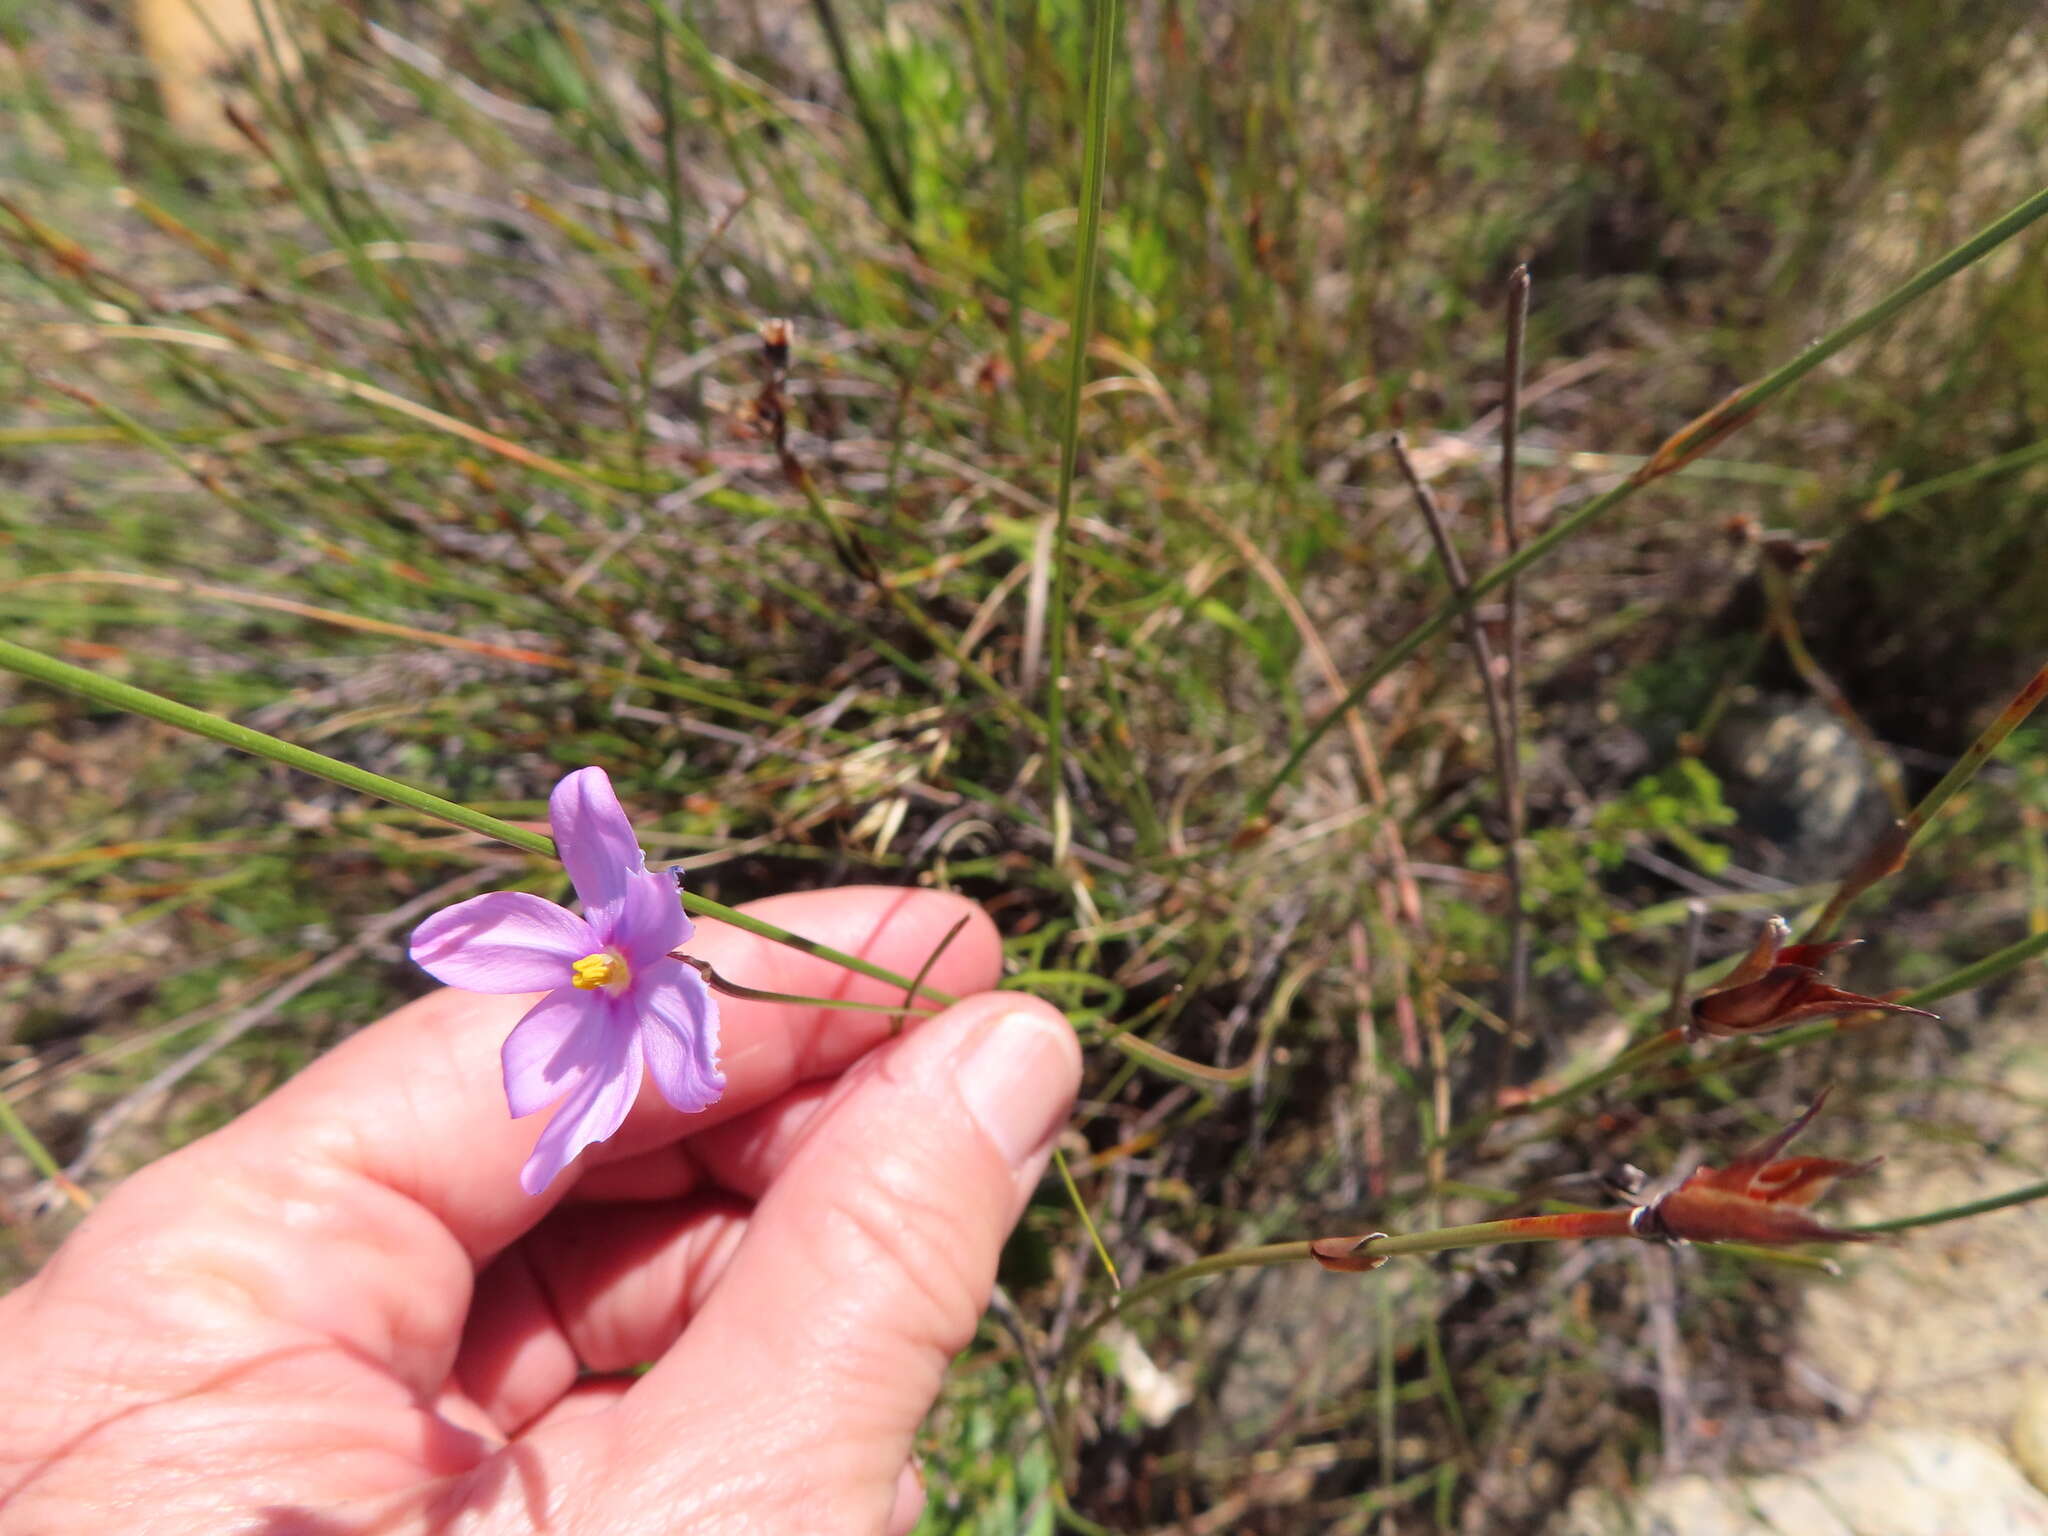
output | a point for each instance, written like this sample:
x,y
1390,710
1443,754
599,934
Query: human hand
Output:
x,y
340,1315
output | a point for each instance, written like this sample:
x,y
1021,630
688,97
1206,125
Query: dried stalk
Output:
x,y
1497,711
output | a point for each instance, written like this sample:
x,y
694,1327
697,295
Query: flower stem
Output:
x,y
2020,1196
1512,1229
1561,1227
153,706
1577,1225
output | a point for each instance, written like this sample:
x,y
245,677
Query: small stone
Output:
x,y
1800,779
2030,1429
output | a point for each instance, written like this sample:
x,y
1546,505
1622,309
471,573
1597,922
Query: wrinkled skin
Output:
x,y
340,1314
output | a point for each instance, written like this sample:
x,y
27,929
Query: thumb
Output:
x,y
867,1264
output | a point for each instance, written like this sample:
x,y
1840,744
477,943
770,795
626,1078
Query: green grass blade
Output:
x,y
1101,68
2011,1197
152,706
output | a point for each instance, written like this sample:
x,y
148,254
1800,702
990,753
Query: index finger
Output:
x,y
446,1140
358,1201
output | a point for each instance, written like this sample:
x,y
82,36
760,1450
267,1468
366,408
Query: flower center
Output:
x,y
606,970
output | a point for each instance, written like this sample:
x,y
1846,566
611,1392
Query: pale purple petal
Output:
x,y
651,921
679,1035
595,1108
562,1036
597,846
507,941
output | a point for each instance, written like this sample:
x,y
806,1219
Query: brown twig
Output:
x,y
1005,1312
1674,1400
729,988
1404,1000
1439,1082
1679,1015
1511,640
1482,652
917,981
1373,1145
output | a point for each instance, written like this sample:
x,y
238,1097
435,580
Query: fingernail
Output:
x,y
1018,1082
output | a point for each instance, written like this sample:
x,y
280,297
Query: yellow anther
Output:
x,y
598,971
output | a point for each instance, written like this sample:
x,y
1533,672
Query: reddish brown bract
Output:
x,y
1346,1255
1777,985
1758,1198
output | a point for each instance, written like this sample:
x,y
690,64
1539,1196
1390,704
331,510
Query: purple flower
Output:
x,y
616,1004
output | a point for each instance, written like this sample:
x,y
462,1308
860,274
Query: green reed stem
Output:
x,y
31,1146
1694,439
1979,753
1978,972
2020,1196
894,178
1087,1216
2005,463
139,701
1101,69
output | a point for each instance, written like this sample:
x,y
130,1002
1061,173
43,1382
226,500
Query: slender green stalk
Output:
x,y
2020,1196
917,982
1478,1234
893,176
31,1146
1384,1403
718,983
671,148
1979,753
1687,444
1978,972
2005,463
138,701
1100,72
1087,1216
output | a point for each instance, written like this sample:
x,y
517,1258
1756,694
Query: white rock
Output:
x,y
1896,1482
